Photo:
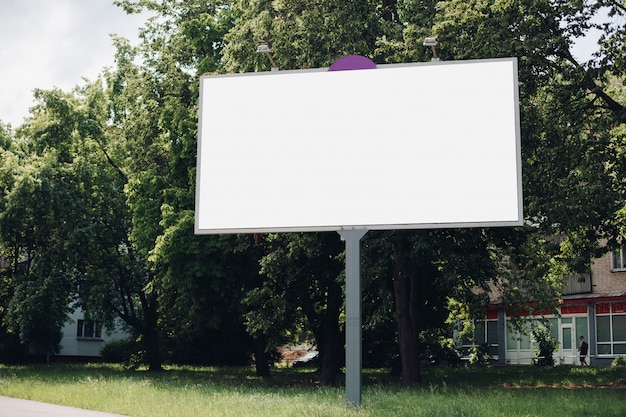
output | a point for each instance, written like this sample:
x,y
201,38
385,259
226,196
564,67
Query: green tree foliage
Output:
x,y
571,115
195,283
11,347
547,346
424,271
302,289
301,34
572,178
51,212
303,281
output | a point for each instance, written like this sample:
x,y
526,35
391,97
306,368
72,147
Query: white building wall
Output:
x,y
73,345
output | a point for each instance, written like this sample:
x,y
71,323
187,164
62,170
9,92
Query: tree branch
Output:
x,y
590,84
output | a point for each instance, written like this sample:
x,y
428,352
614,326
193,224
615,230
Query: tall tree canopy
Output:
x,y
572,112
57,210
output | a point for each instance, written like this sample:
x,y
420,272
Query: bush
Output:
x,y
438,351
480,356
619,361
12,350
547,346
119,351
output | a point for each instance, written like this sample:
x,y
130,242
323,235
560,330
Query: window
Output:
x,y
618,259
518,340
88,329
611,329
582,328
485,332
524,341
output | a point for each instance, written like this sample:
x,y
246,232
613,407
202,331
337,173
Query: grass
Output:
x,y
237,392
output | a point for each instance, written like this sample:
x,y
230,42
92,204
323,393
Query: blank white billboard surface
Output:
x,y
397,147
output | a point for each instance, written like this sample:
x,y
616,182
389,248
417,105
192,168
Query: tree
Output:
x,y
301,34
303,279
163,83
11,347
570,112
195,282
50,215
572,119
301,289
426,270
547,345
304,37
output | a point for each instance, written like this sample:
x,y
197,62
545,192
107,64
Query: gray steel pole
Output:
x,y
353,314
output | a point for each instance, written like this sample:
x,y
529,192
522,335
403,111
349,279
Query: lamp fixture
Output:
x,y
263,48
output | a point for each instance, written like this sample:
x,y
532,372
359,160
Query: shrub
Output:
x,y
119,351
438,350
479,355
547,346
619,361
12,350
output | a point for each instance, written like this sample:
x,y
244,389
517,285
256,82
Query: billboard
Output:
x,y
401,146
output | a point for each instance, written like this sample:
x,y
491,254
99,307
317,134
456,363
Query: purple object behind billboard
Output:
x,y
352,62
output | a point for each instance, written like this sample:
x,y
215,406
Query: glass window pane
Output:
x,y
554,328
567,338
604,349
79,329
492,332
619,349
566,320
617,258
89,329
479,332
493,350
604,328
511,339
524,343
581,327
619,328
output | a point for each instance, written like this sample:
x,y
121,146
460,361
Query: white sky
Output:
x,y
55,43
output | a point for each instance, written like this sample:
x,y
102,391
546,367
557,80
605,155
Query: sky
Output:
x,y
55,43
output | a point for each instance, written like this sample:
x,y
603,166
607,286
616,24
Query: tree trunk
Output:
x,y
152,349
330,352
150,337
261,358
405,291
329,338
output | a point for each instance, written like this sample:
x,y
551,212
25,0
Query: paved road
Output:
x,y
13,407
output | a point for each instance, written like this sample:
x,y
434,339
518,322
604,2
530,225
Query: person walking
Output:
x,y
583,348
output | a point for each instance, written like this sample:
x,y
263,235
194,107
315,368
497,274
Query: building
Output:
x,y
593,306
83,338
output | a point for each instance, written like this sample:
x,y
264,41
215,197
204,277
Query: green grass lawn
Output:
x,y
187,391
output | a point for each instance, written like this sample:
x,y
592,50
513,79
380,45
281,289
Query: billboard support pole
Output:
x,y
353,314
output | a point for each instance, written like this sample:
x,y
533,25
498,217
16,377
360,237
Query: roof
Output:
x,y
595,297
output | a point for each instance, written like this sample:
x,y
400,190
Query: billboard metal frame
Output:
x,y
220,186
